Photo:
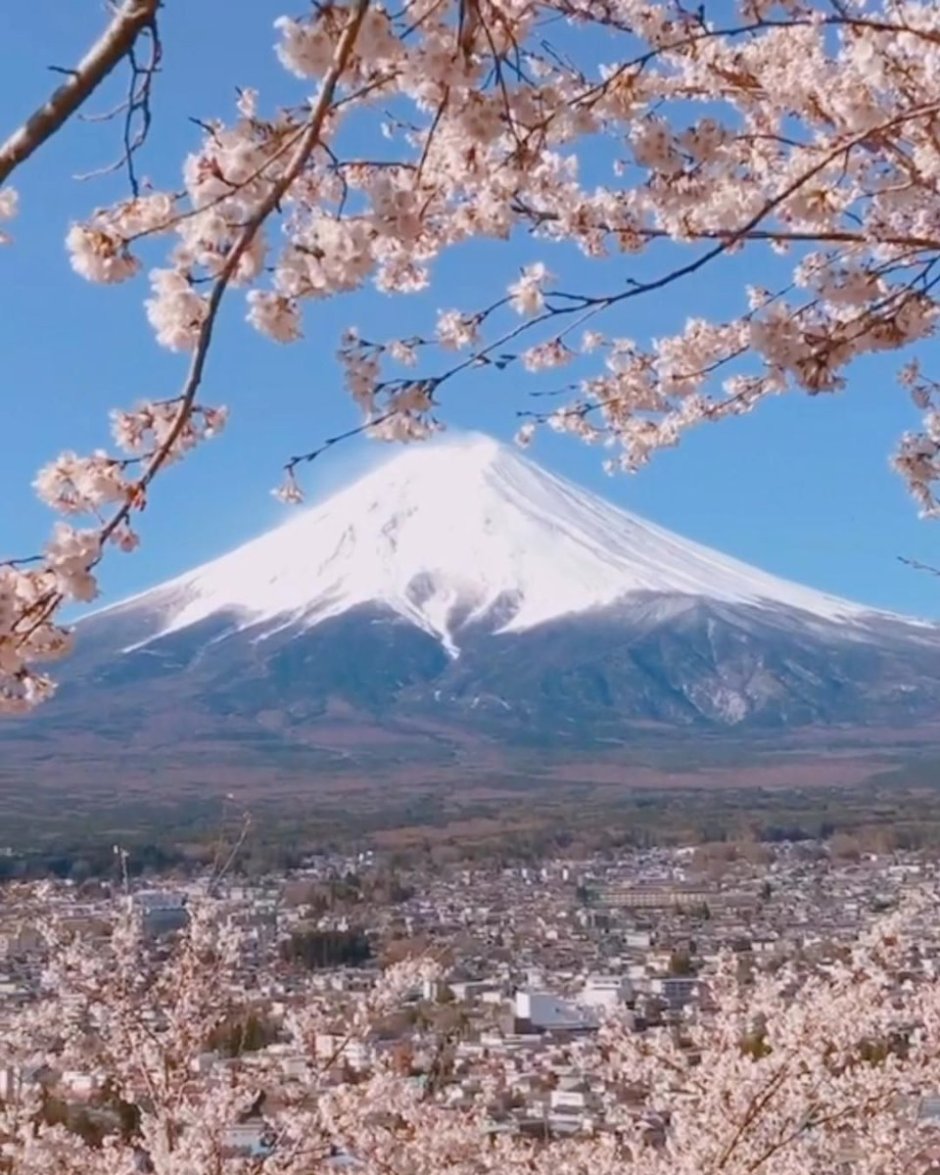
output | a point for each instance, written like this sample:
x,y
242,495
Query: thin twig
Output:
x,y
268,205
117,41
48,604
918,566
136,110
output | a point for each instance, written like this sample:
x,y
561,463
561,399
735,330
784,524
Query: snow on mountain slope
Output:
x,y
463,530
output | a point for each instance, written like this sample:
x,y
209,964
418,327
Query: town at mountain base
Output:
x,y
459,591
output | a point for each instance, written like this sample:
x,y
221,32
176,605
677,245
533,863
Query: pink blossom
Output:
x,y
403,352
73,484
526,294
274,315
304,49
456,331
176,311
71,554
99,254
552,353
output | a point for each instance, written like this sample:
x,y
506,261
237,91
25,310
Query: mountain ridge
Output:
x,y
460,597
458,529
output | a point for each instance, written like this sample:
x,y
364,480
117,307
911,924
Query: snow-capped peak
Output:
x,y
452,531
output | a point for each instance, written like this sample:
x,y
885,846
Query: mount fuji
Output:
x,y
459,591
453,537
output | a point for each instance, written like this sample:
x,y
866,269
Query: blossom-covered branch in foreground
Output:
x,y
670,140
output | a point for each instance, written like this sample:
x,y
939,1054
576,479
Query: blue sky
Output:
x,y
801,488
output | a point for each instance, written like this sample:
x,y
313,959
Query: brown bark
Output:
x,y
129,20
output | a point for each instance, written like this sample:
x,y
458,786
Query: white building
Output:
x,y
606,992
543,1010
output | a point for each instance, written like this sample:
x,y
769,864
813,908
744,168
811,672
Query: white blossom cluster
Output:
x,y
802,131
808,1071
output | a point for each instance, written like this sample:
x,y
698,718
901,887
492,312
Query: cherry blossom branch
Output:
x,y
131,19
308,140
781,235
259,172
304,147
39,613
800,143
758,1103
330,442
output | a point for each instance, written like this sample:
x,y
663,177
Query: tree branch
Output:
x,y
305,146
918,566
117,41
48,603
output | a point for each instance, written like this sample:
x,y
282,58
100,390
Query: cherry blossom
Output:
x,y
9,203
551,353
99,255
71,554
817,1065
456,331
662,140
274,315
175,310
526,294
